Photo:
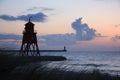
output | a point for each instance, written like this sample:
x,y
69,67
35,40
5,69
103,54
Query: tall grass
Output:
x,y
15,68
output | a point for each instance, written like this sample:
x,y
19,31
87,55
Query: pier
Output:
x,y
64,50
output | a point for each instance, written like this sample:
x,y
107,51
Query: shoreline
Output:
x,y
26,68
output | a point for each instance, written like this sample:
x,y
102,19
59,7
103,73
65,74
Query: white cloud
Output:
x,y
83,31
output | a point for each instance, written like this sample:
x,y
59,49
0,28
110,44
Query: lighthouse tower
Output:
x,y
29,42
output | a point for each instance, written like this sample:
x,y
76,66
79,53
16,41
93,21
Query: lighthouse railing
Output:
x,y
35,31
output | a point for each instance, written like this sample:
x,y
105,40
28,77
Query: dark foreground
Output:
x,y
12,68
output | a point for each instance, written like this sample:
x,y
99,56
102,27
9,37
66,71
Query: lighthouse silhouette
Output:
x,y
29,45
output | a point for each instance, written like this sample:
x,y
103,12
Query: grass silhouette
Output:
x,y
10,70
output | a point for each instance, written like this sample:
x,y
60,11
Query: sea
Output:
x,y
86,61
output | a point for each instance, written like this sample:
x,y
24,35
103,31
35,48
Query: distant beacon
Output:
x,y
29,41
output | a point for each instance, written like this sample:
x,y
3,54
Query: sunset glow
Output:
x,y
99,18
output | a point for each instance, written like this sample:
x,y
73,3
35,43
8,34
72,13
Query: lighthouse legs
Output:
x,y
28,49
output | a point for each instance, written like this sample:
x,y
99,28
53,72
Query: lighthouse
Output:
x,y
29,45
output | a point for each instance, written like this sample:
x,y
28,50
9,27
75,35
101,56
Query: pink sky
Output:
x,y
100,15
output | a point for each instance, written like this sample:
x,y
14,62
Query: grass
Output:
x,y
8,65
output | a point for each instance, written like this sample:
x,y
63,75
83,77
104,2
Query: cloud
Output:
x,y
10,36
37,17
83,31
59,39
10,41
33,8
117,37
50,40
46,9
40,8
118,25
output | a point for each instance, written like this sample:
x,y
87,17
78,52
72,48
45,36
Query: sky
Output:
x,y
81,25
